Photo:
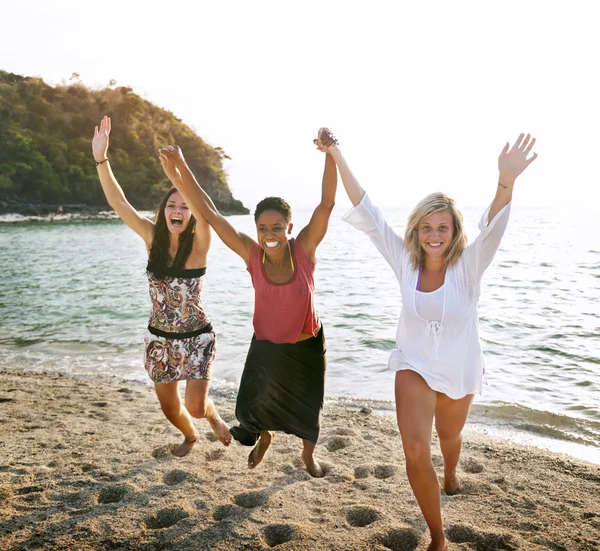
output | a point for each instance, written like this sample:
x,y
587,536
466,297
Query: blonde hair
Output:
x,y
434,203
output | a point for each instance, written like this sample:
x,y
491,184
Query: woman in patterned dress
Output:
x,y
180,345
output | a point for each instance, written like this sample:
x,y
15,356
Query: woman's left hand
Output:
x,y
325,140
511,163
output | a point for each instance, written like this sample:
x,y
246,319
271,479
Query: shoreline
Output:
x,y
87,465
88,213
575,437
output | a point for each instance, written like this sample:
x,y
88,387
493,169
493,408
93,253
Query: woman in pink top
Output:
x,y
283,382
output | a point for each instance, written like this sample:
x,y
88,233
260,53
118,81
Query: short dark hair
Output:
x,y
274,203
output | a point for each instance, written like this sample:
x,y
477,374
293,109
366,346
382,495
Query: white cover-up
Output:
x,y
444,350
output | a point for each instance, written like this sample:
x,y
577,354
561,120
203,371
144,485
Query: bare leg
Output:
x,y
308,459
450,418
258,451
415,408
177,414
200,406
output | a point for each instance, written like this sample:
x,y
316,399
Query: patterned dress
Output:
x,y
181,343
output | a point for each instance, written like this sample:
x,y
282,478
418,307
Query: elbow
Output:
x,y
114,205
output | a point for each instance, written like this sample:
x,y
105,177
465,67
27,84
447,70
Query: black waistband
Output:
x,y
183,273
168,335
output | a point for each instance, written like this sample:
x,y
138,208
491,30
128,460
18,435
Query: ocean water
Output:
x,y
73,298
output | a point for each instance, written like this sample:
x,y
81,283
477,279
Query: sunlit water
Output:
x,y
73,298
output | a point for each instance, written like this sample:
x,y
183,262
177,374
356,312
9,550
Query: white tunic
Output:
x,y
438,332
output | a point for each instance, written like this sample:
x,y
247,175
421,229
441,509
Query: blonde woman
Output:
x,y
438,360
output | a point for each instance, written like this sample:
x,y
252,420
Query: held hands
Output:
x,y
170,157
512,162
326,141
100,140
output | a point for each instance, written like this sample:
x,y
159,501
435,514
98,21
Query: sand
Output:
x,y
86,465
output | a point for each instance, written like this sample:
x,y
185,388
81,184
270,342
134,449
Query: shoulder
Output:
x,y
300,253
254,255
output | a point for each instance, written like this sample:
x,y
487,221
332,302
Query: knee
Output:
x,y
416,451
197,410
448,437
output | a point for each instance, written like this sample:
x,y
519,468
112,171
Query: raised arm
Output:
x,y
311,236
366,217
203,208
113,191
511,163
353,188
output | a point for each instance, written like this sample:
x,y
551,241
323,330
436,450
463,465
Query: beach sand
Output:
x,y
87,465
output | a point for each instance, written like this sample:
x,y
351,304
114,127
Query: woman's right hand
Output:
x,y
326,141
171,157
100,140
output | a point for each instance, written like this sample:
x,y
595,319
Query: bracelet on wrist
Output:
x,y
98,163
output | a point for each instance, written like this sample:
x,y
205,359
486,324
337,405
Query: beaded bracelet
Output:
x,y
98,163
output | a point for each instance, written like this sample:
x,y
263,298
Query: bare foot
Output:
x,y
258,452
438,546
221,429
312,466
450,485
185,447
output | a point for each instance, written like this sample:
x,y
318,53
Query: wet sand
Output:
x,y
87,465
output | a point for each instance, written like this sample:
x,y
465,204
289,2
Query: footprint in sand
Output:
x,y
343,431
214,455
362,472
163,453
166,518
336,443
276,534
482,541
100,404
29,490
172,478
287,468
362,516
211,436
384,471
399,539
251,500
226,512
113,494
471,465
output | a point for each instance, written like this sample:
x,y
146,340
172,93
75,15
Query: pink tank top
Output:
x,y
283,310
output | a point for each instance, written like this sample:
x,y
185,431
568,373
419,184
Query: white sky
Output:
x,y
422,95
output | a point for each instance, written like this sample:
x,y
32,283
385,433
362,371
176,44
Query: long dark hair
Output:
x,y
159,259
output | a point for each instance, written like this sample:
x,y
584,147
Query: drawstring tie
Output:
x,y
435,328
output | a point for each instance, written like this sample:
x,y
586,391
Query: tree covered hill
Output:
x,y
46,157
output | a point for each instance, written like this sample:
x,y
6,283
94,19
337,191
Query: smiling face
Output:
x,y
177,213
272,231
436,231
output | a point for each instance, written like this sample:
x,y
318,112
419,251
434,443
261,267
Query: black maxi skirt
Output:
x,y
282,389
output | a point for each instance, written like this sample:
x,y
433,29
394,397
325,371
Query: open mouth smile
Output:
x,y
176,221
